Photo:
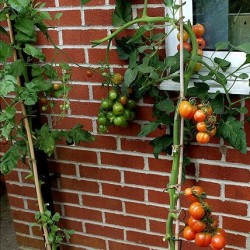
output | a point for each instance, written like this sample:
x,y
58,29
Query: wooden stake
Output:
x,y
178,204
30,142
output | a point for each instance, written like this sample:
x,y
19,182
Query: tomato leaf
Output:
x,y
199,90
17,68
7,85
84,1
221,79
130,76
243,76
223,64
245,47
166,105
222,45
217,104
5,51
19,5
168,3
148,128
162,144
232,130
33,51
122,13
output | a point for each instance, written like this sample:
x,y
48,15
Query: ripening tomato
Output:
x,y
188,233
218,242
201,43
56,86
202,137
186,46
197,67
198,30
196,225
123,100
4,142
44,100
207,109
191,192
200,52
214,223
187,110
117,79
201,126
212,131
203,239
196,210
185,36
199,115
220,231
89,73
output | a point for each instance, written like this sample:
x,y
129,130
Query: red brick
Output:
x,y
110,232
102,202
42,40
157,226
99,92
146,179
126,221
80,92
77,184
80,74
49,3
20,215
236,240
201,152
104,142
158,197
70,224
16,202
160,165
233,155
224,173
146,210
86,108
100,173
32,204
62,168
21,227
237,192
65,197
133,129
76,155
21,190
128,161
82,213
12,176
83,36
228,207
146,239
98,17
123,192
88,241
136,145
144,113
69,18
235,224
30,242
125,246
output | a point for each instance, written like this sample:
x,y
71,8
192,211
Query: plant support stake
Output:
x,y
32,157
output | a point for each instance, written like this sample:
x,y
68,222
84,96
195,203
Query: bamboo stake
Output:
x,y
178,204
30,143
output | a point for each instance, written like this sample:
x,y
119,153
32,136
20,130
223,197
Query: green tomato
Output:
x,y
120,121
118,109
102,129
112,94
102,120
106,104
129,114
131,104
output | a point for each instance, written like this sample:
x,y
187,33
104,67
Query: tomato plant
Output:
x,y
187,46
196,210
185,36
198,30
187,110
117,79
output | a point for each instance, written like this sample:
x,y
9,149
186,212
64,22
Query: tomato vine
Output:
x,y
147,69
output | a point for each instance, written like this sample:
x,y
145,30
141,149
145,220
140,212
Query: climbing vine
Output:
x,y
218,112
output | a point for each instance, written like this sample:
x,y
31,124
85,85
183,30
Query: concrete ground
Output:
x,y
7,232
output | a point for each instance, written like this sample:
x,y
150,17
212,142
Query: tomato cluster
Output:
x,y
199,31
201,226
116,109
203,117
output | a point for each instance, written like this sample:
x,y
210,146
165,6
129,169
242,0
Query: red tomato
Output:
x,y
188,233
186,109
4,142
214,223
89,73
196,225
199,115
201,126
185,36
203,239
201,43
207,109
220,231
191,192
198,30
218,242
186,46
202,137
196,210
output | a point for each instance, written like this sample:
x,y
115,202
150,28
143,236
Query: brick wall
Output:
x,y
111,191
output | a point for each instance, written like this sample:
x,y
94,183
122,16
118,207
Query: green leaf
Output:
x,y
25,26
65,66
232,130
199,90
19,5
84,1
145,69
245,47
221,79
166,105
5,51
36,70
10,112
130,76
18,67
122,13
148,128
58,15
168,3
78,134
206,77
50,71
222,45
243,76
7,85
34,52
9,160
161,144
138,34
223,64
62,91
217,104
45,140
56,217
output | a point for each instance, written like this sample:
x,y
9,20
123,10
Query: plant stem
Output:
x,y
145,8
